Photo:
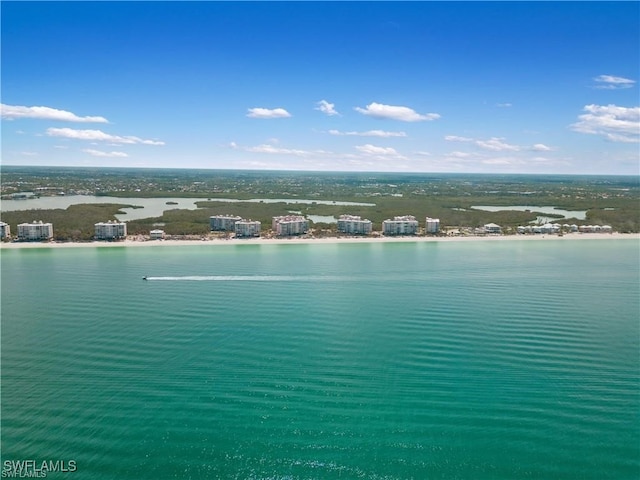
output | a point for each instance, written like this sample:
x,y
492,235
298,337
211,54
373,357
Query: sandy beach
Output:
x,y
312,241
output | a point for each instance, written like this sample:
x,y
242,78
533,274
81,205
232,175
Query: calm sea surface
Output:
x,y
497,360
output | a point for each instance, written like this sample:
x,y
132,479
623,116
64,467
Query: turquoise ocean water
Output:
x,y
470,360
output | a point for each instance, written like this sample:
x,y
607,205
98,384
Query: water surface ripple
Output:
x,y
383,361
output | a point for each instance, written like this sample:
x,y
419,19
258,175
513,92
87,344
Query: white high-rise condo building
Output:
x,y
223,223
354,225
432,225
5,230
289,225
111,230
35,231
247,228
404,225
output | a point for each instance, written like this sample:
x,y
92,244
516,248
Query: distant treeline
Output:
x,y
610,200
76,223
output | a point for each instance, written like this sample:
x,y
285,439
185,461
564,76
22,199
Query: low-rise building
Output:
x,y
492,228
5,230
595,229
402,225
156,234
290,225
247,228
34,231
354,225
432,225
111,230
551,228
223,223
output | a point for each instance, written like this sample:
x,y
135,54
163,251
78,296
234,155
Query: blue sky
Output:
x,y
504,87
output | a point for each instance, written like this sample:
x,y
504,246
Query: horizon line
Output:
x,y
353,172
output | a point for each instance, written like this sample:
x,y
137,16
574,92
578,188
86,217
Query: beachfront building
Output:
x,y
5,230
492,228
28,232
289,225
556,228
595,229
354,225
156,234
432,225
247,228
550,228
570,228
403,225
111,230
223,223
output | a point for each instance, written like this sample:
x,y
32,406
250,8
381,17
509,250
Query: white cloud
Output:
x,y
539,147
391,112
609,82
373,150
272,148
98,153
370,133
12,112
502,161
497,145
268,113
326,107
503,105
29,154
266,148
98,135
456,138
459,155
618,124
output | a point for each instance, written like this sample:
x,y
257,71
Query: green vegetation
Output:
x,y
611,200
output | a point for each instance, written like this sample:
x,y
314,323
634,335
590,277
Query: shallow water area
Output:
x,y
151,207
577,214
331,360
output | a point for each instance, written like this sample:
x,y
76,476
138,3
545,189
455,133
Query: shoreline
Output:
x,y
312,241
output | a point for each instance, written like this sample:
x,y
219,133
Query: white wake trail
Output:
x,y
247,278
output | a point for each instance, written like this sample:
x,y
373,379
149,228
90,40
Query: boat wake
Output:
x,y
245,278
